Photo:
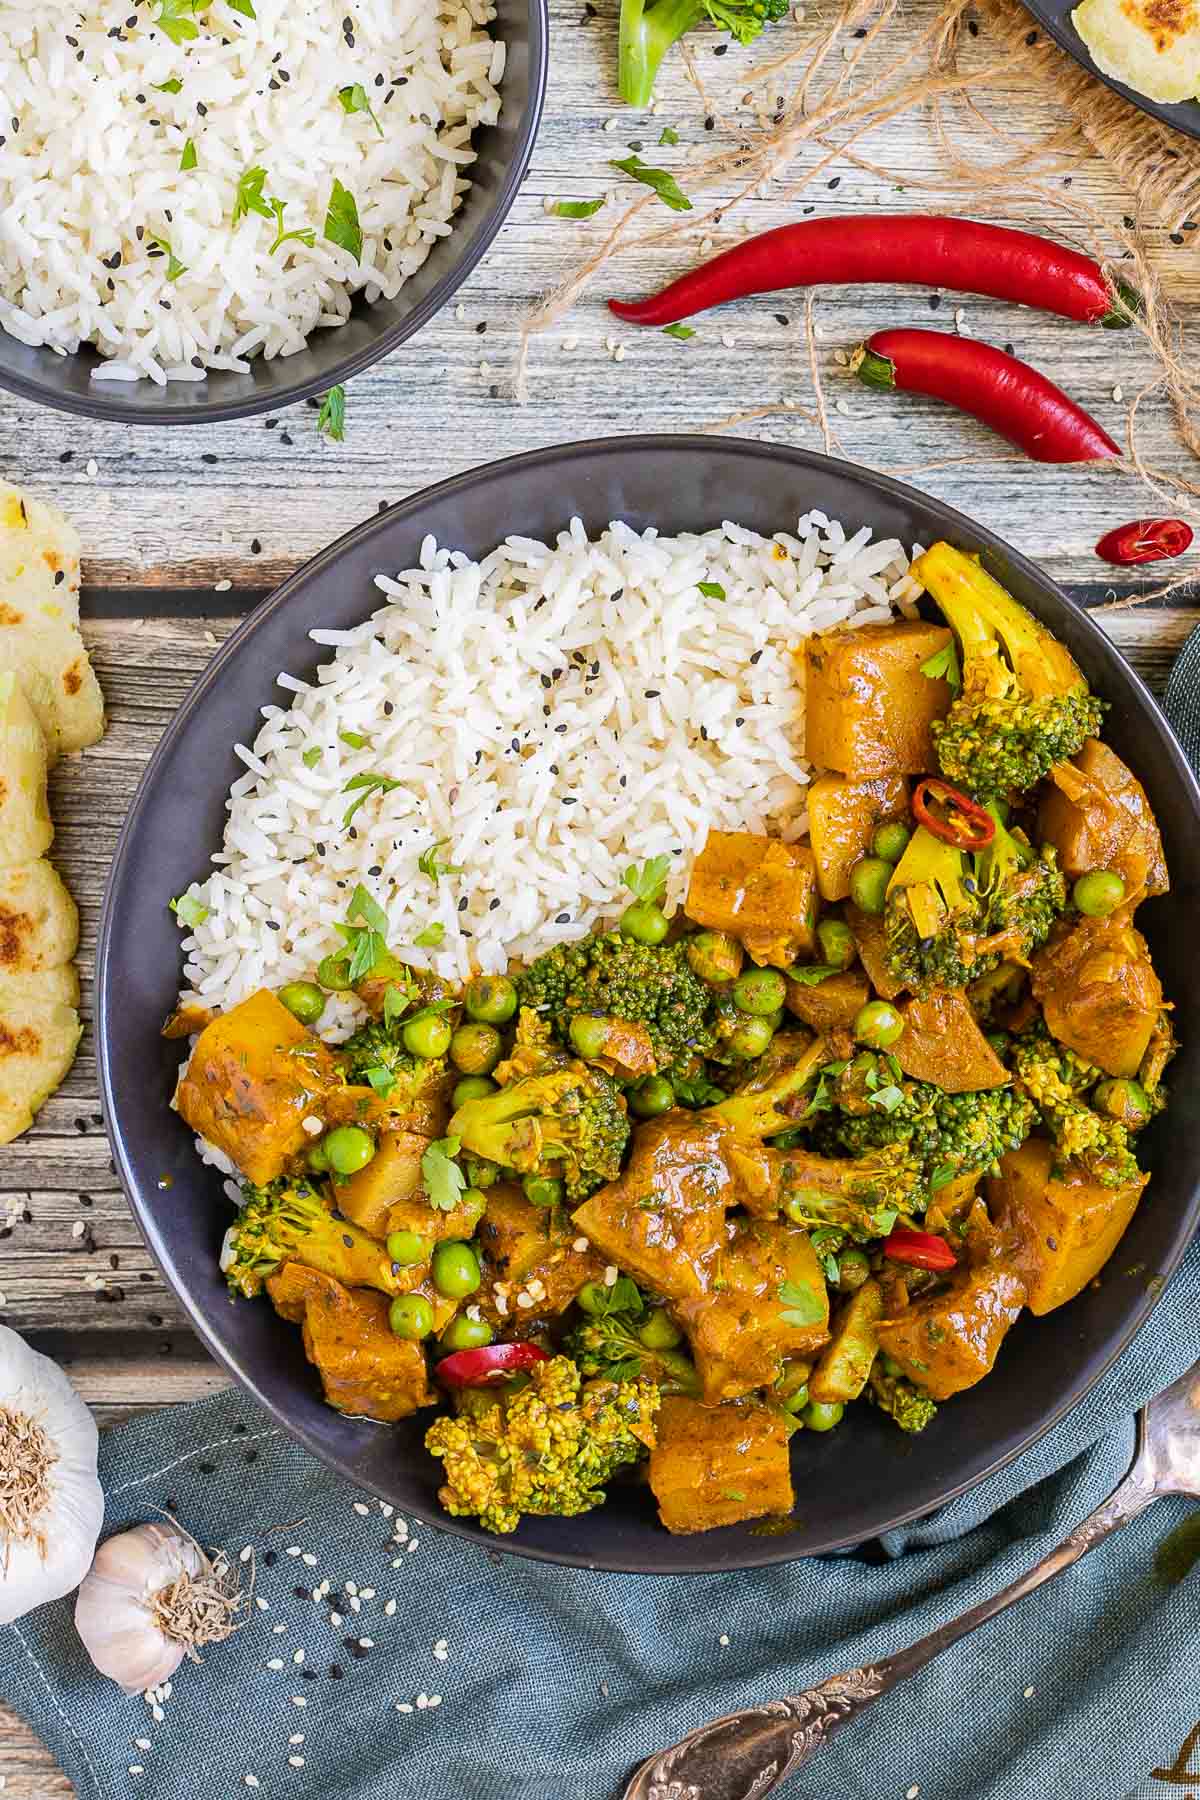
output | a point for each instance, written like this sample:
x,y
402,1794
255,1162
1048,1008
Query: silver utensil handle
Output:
x,y
746,1754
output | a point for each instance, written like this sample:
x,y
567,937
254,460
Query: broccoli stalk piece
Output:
x,y
648,31
289,1222
777,1098
1057,1081
892,1394
862,1196
1024,704
565,1122
610,1347
545,1448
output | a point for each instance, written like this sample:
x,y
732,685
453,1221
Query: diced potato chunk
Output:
x,y
392,1175
1096,814
868,708
768,1301
1065,1226
365,1369
843,1366
942,1043
948,1341
527,1254
842,819
717,1465
255,1075
870,934
1099,992
761,890
832,1004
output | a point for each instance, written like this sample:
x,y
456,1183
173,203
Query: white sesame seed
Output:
x,y
279,1630
93,468
723,1639
317,1594
1118,392
706,245
412,1544
141,1743
570,343
335,1618
396,1562
525,1301
297,1737
608,125
351,1587
501,1305
460,311
366,1593
360,1509
403,1706
276,1662
581,1244
366,1643
435,1699
298,1656
157,1714
728,340
309,1559
959,315
78,1228
250,1780
389,1607
136,1769
299,1700
355,1604
385,1509
422,1702
548,204
842,407
473,1313
311,1124
222,587
262,1605
619,353
610,1275
912,1792
841,358
1029,1693
245,1553
297,1762
293,1550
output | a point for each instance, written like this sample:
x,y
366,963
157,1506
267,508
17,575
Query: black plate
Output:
x,y
1055,15
854,1482
335,355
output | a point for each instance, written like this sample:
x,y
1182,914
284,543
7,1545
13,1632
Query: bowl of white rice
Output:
x,y
541,671
210,211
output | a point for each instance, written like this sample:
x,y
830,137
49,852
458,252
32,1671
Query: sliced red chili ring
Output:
x,y
922,1249
960,821
1145,540
493,1362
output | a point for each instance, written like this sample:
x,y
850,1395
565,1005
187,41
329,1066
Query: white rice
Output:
x,y
90,176
552,714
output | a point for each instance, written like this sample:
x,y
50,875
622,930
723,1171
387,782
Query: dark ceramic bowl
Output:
x,y
336,355
856,1481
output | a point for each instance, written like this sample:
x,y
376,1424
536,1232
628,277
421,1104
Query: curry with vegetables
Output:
x,y
672,1194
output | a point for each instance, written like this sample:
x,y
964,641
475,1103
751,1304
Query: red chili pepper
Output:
x,y
964,822
494,1362
925,250
920,1248
1145,540
1015,400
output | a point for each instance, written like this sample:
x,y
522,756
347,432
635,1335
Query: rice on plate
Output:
x,y
188,185
490,750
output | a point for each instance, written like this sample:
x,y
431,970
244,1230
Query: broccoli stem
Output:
x,y
646,34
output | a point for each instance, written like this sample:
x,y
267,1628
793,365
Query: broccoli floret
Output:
x,y
1024,704
648,32
290,1222
1057,1083
892,1394
375,1057
946,1135
546,1448
778,1094
651,984
861,1196
610,1347
567,1121
1022,892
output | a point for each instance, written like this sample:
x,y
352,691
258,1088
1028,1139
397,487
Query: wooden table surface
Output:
x,y
184,531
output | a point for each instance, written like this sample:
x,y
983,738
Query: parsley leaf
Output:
x,y
249,198
576,209
177,20
432,936
306,235
245,7
174,267
189,911
809,974
803,1306
669,136
623,1296
312,756
341,221
943,666
188,159
396,1001
357,740
712,590
429,865
682,332
362,786
364,906
174,86
332,417
942,1176
444,1180
887,1098
381,1079
354,100
661,180
648,882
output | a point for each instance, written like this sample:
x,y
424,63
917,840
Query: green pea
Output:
x,y
471,1087
407,1248
658,1330
472,1200
476,1049
349,1149
543,1190
890,841
854,1267
1098,894
868,884
588,1034
428,1035
456,1270
797,1400
645,922
334,972
304,1000
466,1334
751,1037
760,992
714,956
652,1095
819,1415
318,1158
1126,1101
592,1298
836,943
492,999
411,1316
878,1024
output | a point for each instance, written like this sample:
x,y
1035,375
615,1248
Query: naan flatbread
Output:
x,y
26,828
1153,46
39,621
39,922
39,1034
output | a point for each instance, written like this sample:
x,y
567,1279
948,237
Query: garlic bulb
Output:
x,y
51,1502
151,1599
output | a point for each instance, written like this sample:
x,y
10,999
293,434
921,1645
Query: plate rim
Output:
x,y
1164,112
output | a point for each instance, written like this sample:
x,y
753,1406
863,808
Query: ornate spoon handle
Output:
x,y
746,1754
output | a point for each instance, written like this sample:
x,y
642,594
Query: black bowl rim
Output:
x,y
769,1550
1055,15
213,412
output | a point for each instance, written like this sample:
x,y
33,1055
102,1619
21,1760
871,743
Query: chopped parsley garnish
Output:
x,y
669,136
362,786
576,209
712,590
886,1098
943,666
802,1307
175,268
432,937
810,974
682,332
381,1079
661,180
245,7
647,882
331,420
367,941
177,20
189,911
306,235
429,865
250,198
444,1180
354,100
188,159
174,86
341,221
312,756
357,740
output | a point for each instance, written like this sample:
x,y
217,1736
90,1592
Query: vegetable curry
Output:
x,y
674,1193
